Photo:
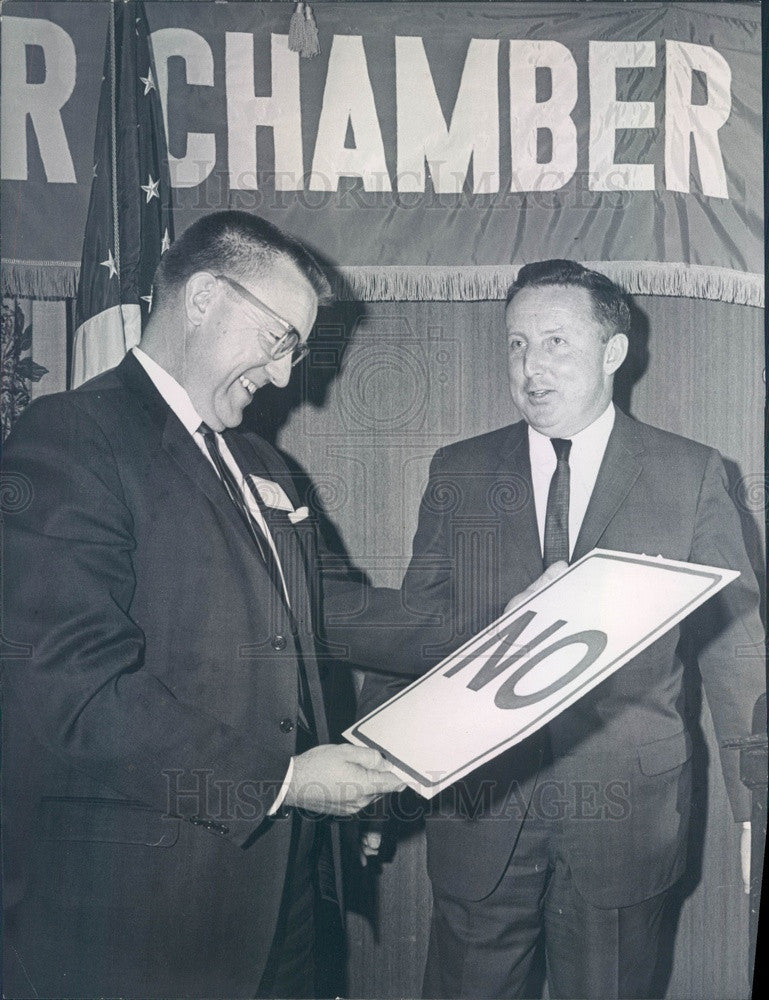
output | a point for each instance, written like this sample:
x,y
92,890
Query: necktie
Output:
x,y
557,515
230,484
236,496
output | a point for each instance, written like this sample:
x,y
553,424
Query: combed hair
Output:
x,y
237,244
610,305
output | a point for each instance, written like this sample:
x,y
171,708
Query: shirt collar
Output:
x,y
590,440
174,394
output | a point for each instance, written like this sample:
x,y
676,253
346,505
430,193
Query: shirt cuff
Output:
x,y
283,790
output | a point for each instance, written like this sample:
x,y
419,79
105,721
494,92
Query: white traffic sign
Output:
x,y
532,663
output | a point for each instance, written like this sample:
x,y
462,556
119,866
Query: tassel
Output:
x,y
296,29
311,44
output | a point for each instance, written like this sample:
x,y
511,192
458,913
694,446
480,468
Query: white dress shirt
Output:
x,y
587,450
179,401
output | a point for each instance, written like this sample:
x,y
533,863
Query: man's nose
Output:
x,y
533,361
279,372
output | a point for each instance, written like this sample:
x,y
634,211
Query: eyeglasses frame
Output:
x,y
290,342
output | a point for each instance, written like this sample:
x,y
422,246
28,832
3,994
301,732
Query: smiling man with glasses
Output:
x,y
168,724
222,335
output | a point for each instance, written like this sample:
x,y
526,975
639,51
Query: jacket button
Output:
x,y
279,642
286,726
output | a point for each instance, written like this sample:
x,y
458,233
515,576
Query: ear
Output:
x,y
199,293
615,353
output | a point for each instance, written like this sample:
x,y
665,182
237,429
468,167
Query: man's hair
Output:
x,y
610,305
237,244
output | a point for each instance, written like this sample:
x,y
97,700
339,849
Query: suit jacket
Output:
x,y
150,717
612,771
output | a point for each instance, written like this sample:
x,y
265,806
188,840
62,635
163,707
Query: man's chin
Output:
x,y
227,421
541,420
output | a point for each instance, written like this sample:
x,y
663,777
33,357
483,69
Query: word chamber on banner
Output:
x,y
472,134
422,138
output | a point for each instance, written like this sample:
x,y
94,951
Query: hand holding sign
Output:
x,y
551,573
555,642
339,780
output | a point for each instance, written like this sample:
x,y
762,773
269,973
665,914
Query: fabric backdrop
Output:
x,y
428,150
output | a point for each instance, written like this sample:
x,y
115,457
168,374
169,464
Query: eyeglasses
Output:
x,y
289,342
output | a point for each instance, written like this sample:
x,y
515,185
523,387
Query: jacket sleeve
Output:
x,y
90,689
398,635
726,633
401,632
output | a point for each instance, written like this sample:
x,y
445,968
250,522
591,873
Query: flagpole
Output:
x,y
113,137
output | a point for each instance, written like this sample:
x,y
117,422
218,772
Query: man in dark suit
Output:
x,y
167,720
579,833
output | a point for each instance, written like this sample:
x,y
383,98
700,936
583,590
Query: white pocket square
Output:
x,y
272,494
300,514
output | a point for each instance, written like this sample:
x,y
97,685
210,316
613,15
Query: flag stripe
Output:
x,y
102,340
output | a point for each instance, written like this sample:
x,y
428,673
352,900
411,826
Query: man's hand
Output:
x,y
745,856
339,780
550,574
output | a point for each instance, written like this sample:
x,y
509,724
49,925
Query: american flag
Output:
x,y
129,221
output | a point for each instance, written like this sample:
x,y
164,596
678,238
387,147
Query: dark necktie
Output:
x,y
557,516
235,494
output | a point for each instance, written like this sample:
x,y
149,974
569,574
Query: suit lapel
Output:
x,y
287,537
184,452
179,445
295,548
253,462
520,535
619,470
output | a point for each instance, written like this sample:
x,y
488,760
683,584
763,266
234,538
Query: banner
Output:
x,y
428,150
533,663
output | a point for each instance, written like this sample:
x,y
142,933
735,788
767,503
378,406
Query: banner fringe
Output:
x,y
689,281
491,282
58,280
44,279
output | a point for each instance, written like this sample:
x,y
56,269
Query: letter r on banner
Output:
x,y
41,101
700,121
